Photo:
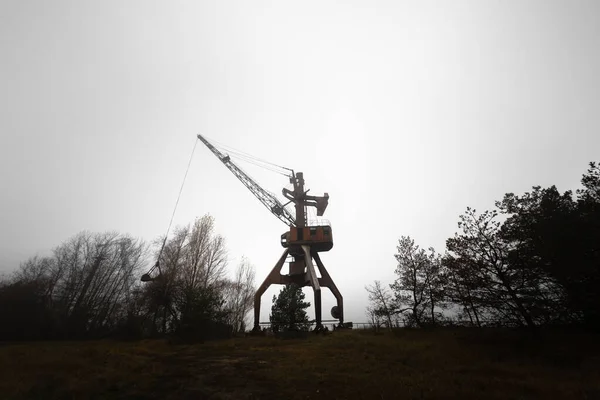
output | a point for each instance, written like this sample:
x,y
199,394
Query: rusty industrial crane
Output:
x,y
302,242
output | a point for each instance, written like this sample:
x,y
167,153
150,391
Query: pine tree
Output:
x,y
289,310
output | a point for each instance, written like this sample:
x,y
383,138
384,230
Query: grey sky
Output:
x,y
404,112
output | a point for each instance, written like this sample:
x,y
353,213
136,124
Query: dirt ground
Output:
x,y
407,364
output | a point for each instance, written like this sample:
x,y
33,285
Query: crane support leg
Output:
x,y
327,282
312,277
274,277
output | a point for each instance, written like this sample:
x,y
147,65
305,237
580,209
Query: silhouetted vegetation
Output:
x,y
288,311
90,288
532,261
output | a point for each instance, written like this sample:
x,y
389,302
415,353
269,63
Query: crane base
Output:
x,y
302,273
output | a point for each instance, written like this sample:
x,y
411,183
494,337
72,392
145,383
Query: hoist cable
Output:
x,y
231,149
177,202
258,162
241,155
250,161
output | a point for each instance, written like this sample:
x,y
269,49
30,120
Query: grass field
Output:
x,y
407,364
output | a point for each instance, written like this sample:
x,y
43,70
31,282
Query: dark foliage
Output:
x,y
23,311
289,310
90,288
557,238
533,261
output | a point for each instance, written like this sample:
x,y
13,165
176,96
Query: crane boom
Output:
x,y
270,201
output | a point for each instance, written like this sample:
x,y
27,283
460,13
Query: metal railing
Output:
x,y
401,324
318,222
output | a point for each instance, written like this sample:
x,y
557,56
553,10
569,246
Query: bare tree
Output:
x,y
239,295
419,286
193,266
85,284
381,304
197,254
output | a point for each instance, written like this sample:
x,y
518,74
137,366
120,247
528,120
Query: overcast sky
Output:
x,y
404,112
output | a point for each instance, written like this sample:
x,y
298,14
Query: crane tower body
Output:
x,y
302,242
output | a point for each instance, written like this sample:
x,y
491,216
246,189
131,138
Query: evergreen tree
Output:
x,y
289,310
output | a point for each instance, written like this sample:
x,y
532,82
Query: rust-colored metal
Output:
x,y
303,243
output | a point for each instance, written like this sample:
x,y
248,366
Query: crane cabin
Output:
x,y
319,237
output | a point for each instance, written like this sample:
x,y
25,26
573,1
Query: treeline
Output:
x,y
532,261
90,288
